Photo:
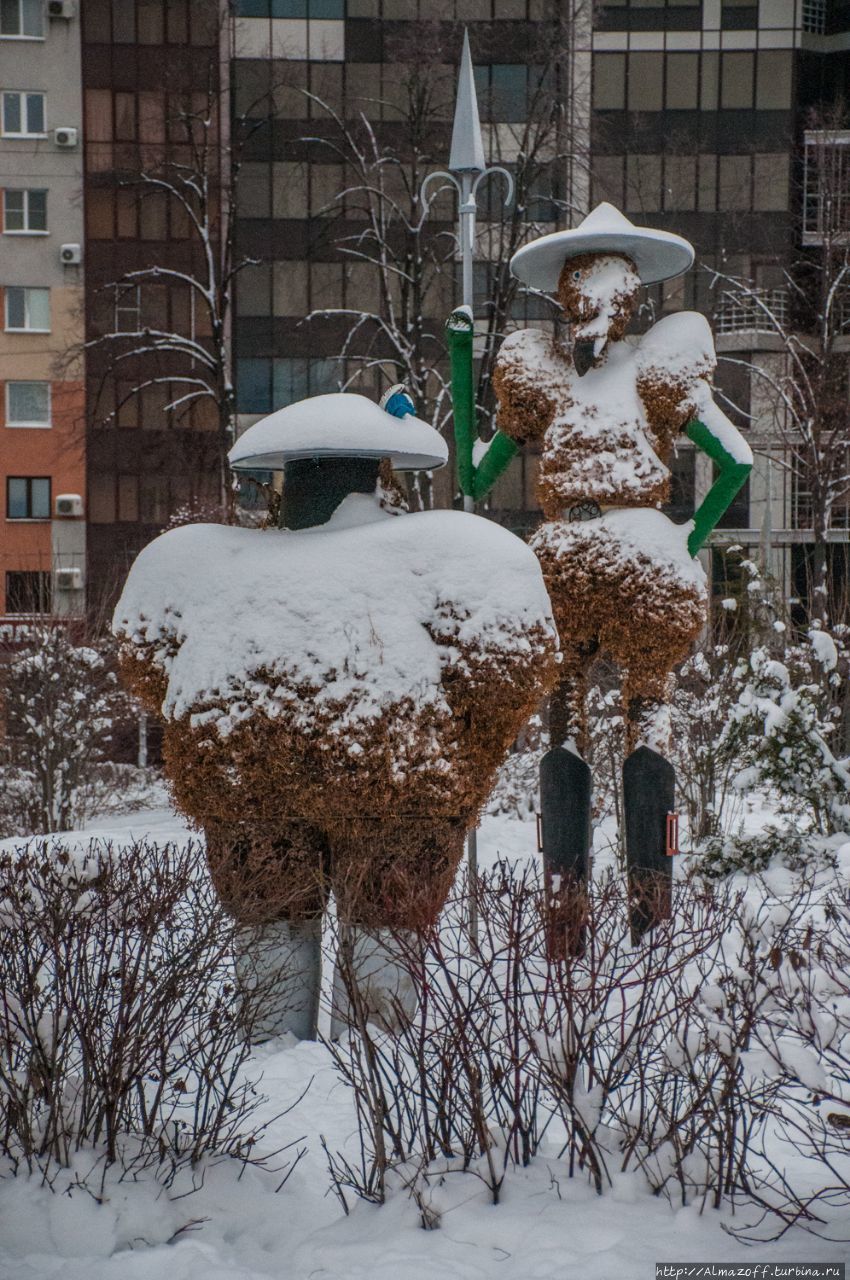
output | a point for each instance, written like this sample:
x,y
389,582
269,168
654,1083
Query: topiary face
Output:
x,y
598,293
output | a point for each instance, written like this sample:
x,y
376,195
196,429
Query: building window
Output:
x,y
503,91
264,385
814,16
734,190
25,212
27,404
682,81
826,186
27,310
22,19
803,513
27,497
682,485
752,310
680,183
736,81
23,115
646,79
290,8
128,308
609,81
28,591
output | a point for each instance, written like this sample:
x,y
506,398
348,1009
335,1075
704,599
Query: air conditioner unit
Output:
x,y
69,504
69,579
65,137
70,255
61,8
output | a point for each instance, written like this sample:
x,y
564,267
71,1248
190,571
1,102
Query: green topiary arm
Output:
x,y
459,339
725,446
474,481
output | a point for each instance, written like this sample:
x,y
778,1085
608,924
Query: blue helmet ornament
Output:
x,y
397,401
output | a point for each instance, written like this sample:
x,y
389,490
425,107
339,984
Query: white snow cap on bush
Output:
x,y
824,647
349,611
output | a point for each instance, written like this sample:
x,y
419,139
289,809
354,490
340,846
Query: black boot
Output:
x,y
649,795
565,794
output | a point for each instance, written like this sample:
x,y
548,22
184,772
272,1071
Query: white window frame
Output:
x,y
23,95
127,301
826,213
28,481
26,290
26,230
37,426
22,35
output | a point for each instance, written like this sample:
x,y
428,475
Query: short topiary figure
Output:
x,y
338,692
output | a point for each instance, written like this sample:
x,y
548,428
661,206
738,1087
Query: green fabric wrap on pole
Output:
x,y
721,495
474,482
500,453
459,339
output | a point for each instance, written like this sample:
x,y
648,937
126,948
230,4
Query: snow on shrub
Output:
x,y
59,700
684,1059
725,855
122,1033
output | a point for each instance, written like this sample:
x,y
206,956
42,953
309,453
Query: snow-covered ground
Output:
x,y
238,1227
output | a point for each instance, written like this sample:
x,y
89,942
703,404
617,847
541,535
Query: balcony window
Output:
x,y
802,509
27,497
27,310
23,115
27,404
24,212
22,19
28,591
754,311
826,186
814,16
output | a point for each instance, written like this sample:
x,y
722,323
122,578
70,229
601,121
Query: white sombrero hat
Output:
x,y
339,425
658,255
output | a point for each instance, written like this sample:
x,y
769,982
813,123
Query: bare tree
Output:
x,y
410,246
185,349
810,315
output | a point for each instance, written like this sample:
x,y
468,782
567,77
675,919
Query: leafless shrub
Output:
x,y
681,1057
803,1051
121,1030
59,701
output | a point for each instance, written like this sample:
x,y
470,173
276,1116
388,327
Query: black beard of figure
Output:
x,y
583,356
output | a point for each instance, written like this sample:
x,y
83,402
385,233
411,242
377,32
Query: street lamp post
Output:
x,y
467,169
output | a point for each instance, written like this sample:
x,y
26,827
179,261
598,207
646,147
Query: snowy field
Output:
x,y
239,1227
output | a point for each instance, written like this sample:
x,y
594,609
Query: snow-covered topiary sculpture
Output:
x,y
338,693
605,410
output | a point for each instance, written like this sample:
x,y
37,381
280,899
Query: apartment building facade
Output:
x,y
147,65
705,122
42,397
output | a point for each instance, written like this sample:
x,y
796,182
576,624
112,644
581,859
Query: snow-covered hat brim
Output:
x,y
339,425
658,255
